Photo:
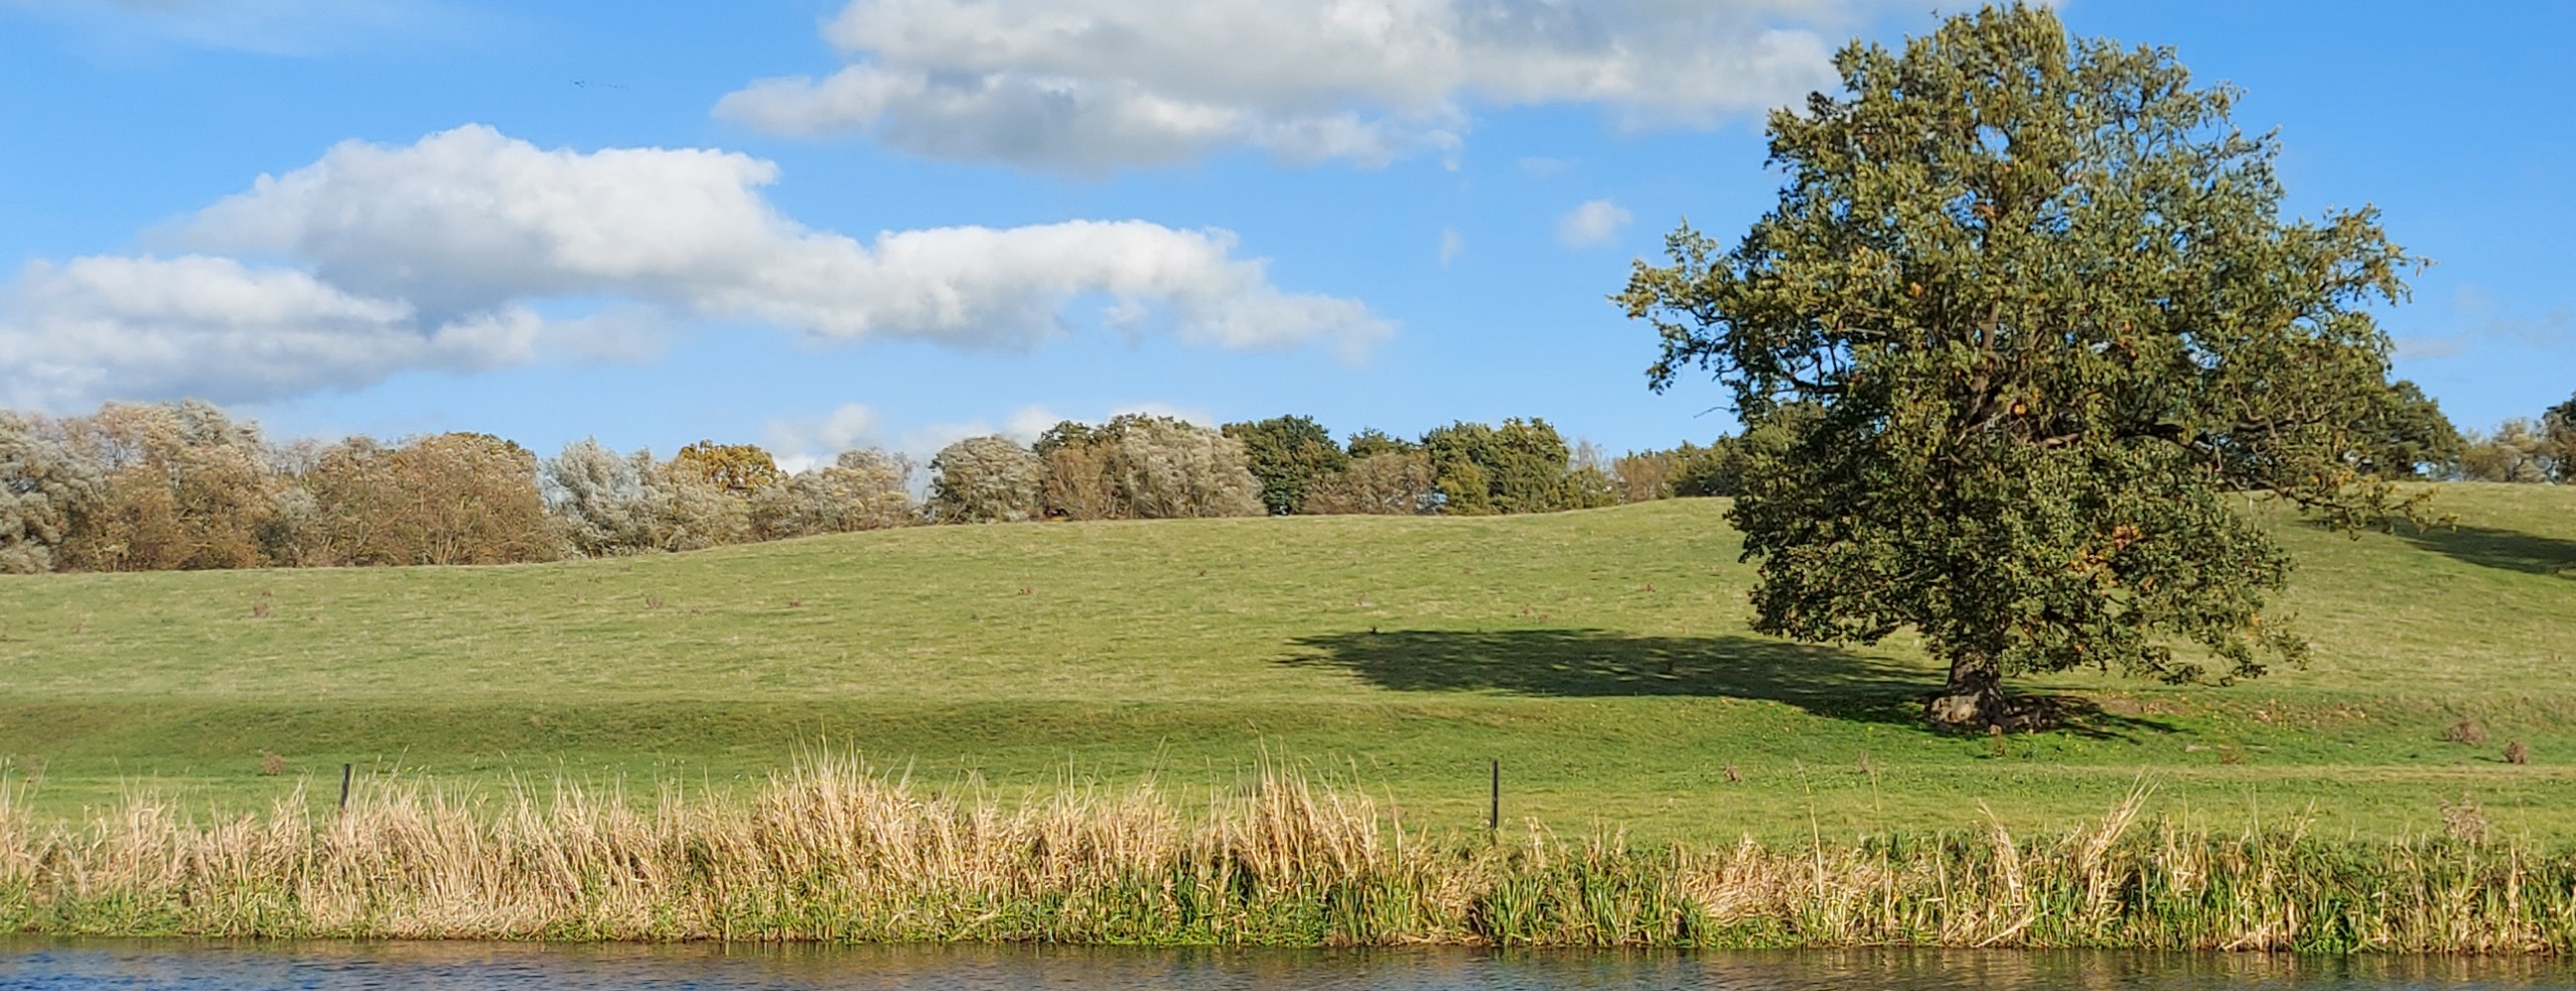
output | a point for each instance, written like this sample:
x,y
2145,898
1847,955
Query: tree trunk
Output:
x,y
1973,698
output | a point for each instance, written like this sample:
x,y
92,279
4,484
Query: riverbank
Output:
x,y
831,853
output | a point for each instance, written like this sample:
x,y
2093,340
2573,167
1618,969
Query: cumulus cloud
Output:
x,y
109,327
469,218
377,259
1593,223
1088,85
1451,246
809,442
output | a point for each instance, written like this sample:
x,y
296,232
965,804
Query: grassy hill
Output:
x,y
1602,656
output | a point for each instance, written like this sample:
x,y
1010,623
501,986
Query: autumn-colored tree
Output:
x,y
1075,483
185,486
2517,450
1386,483
2042,295
453,498
738,469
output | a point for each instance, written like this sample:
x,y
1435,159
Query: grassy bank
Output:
x,y
831,853
1602,656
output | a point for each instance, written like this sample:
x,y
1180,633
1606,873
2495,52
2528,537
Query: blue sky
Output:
x,y
812,224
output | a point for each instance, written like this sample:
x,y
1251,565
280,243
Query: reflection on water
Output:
x,y
217,966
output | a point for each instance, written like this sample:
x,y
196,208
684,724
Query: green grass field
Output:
x,y
1602,657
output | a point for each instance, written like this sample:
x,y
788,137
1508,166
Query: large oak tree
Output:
x,y
2041,296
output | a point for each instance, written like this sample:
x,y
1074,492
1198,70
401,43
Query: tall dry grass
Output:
x,y
831,852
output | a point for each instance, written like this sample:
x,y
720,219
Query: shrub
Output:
x,y
988,479
1389,483
859,490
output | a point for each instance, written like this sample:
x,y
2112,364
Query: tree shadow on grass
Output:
x,y
1577,663
2511,550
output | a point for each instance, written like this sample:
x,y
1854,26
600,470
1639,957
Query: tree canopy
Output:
x,y
2043,299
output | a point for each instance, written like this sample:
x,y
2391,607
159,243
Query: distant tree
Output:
x,y
1387,483
599,495
1165,468
2040,291
2517,451
2558,428
453,498
45,488
185,486
1371,441
1589,482
1074,458
984,480
1644,476
1519,467
859,490
740,469
2406,436
1288,454
690,508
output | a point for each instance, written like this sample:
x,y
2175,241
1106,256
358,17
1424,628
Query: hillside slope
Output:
x,y
1602,656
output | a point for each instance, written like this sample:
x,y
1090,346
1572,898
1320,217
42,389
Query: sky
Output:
x,y
820,224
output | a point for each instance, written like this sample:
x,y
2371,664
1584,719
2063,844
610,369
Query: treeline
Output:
x,y
146,487
2522,449
2409,437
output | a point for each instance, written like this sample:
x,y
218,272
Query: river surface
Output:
x,y
220,966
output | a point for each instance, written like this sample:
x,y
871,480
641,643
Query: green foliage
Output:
x,y
1371,441
2559,426
2406,436
1289,454
1519,467
1601,656
2041,295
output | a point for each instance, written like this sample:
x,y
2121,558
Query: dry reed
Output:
x,y
830,852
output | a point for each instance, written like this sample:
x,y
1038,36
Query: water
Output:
x,y
219,966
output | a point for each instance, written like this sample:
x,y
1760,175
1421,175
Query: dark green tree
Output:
x,y
1289,454
2043,299
2558,430
1519,467
2406,436
1373,441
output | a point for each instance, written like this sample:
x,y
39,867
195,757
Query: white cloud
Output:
x,y
437,255
1024,424
469,218
816,441
1593,223
1088,85
1451,246
110,327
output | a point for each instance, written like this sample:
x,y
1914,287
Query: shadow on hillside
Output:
x,y
1565,663
2508,549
